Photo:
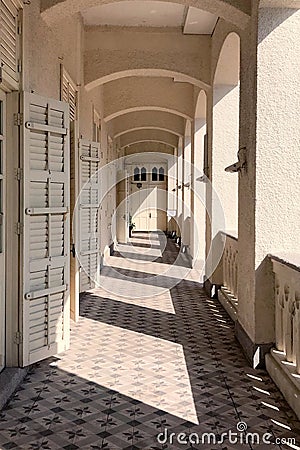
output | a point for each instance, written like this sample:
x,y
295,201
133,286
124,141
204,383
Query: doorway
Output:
x,y
148,205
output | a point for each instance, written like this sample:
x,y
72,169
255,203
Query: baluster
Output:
x,y
279,317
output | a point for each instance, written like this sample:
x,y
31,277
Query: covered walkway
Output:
x,y
139,364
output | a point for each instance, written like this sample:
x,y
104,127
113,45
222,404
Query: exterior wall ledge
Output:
x,y
285,377
229,303
291,260
254,352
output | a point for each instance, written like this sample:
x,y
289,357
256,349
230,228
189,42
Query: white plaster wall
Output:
x,y
186,187
224,153
199,191
277,212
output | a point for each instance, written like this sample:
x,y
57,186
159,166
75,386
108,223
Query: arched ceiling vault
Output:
x,y
147,119
142,94
150,136
147,128
146,147
234,11
115,52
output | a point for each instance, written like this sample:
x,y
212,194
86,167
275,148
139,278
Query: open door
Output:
x,y
89,214
45,308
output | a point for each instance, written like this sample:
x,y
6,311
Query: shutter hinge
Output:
x,y
19,174
19,67
18,339
18,119
19,228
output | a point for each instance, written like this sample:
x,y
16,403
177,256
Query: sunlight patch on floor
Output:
x,y
142,367
160,302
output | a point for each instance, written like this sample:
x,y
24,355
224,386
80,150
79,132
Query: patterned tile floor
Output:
x,y
138,366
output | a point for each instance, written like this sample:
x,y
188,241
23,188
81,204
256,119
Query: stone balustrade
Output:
x,y
283,362
228,294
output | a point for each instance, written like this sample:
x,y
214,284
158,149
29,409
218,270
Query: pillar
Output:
x,y
269,191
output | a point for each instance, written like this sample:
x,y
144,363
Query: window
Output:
x,y
161,174
154,174
143,174
136,174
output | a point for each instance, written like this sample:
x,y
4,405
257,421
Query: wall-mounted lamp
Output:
x,y
174,190
139,185
241,164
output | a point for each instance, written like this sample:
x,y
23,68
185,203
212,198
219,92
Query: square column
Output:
x,y
269,189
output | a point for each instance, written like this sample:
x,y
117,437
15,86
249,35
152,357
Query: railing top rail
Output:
x,y
291,260
230,235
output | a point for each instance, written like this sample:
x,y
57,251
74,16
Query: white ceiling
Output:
x,y
149,13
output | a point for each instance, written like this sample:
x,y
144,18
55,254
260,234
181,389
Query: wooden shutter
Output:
x,y
9,43
46,228
89,205
69,93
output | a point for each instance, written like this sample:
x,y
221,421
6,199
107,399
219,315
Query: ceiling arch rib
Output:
x,y
148,135
141,94
120,112
147,119
147,128
157,141
234,11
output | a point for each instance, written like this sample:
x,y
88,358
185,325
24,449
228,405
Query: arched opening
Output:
x,y
225,140
198,247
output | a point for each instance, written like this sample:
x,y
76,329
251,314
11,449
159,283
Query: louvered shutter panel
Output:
x,y
46,242
89,214
9,43
69,94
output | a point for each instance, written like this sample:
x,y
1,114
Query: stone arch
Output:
x,y
234,11
130,130
225,137
138,92
146,108
201,168
146,72
148,135
227,69
148,140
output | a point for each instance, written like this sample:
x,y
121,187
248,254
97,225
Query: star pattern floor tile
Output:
x,y
139,366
